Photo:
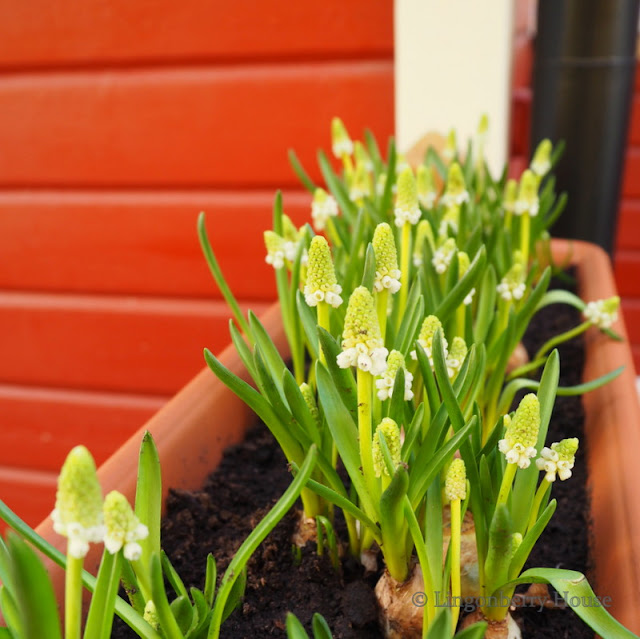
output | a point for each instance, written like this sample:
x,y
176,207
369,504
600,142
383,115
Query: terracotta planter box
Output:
x,y
193,429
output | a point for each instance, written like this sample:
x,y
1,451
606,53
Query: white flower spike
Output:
x,y
429,327
512,286
78,511
443,256
122,528
558,460
603,313
322,285
341,143
384,248
386,382
521,436
527,201
362,344
407,209
323,207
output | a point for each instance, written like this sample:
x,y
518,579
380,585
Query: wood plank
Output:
x,y
31,494
39,33
138,243
628,231
41,425
185,127
631,178
627,272
522,61
125,344
520,121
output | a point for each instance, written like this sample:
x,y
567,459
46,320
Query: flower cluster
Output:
x,y
603,313
322,285
407,209
559,459
455,483
341,143
385,383
391,434
430,325
521,436
323,207
387,271
122,528
527,201
443,256
362,343
512,286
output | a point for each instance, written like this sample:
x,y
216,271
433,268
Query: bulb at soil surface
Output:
x,y
400,615
505,629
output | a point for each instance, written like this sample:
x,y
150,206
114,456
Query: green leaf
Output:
x,y
274,362
476,631
342,377
486,304
441,626
300,172
524,550
235,594
576,589
32,592
168,623
336,187
369,274
100,617
309,323
295,630
211,577
172,576
183,613
320,627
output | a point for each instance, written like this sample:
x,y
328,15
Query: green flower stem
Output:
x,y
333,234
405,257
508,215
456,528
99,619
73,598
564,337
382,302
365,387
507,482
525,237
537,501
461,317
323,322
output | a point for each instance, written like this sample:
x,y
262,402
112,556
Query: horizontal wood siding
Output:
x,y
120,122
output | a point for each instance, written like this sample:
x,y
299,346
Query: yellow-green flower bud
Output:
x,y
385,383
510,195
457,355
424,232
289,230
78,511
456,191
527,201
361,156
323,207
401,163
360,186
322,285
122,528
450,146
521,435
362,344
483,125
559,459
603,313
310,401
430,325
541,162
384,248
512,286
391,434
341,143
443,256
275,249
407,209
455,483
426,189
151,615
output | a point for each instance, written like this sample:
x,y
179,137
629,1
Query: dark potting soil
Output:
x,y
254,474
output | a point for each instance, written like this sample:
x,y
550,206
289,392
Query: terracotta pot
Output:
x,y
204,417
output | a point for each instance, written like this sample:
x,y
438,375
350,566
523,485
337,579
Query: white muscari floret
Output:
x,y
527,201
510,195
512,286
291,240
341,143
362,343
455,483
122,528
323,207
443,256
322,285
384,248
78,511
603,313
424,233
428,329
541,162
426,190
407,209
385,383
521,436
456,191
391,434
275,249
456,357
558,460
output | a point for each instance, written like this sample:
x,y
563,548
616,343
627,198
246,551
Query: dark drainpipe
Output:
x,y
583,80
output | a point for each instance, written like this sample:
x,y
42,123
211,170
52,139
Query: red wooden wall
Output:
x,y
627,247
119,122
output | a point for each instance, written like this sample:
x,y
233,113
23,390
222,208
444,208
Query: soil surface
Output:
x,y
254,474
